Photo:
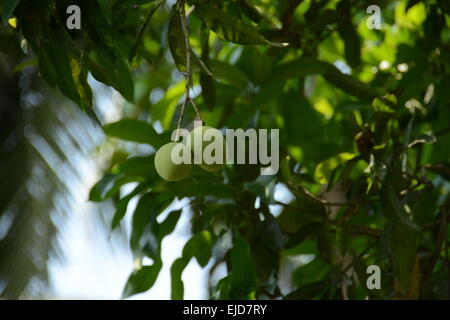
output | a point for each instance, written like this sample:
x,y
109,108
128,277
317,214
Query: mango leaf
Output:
x,y
207,80
177,41
109,186
305,247
263,187
300,67
250,10
229,73
243,272
168,225
349,34
308,291
311,272
134,130
200,247
8,8
142,280
325,168
97,27
306,66
255,64
144,218
137,166
138,40
54,63
177,285
393,208
112,71
228,27
402,244
165,108
80,75
122,205
349,84
131,3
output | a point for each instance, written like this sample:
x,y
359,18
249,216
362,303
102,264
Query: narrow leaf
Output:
x,y
8,8
142,280
228,27
138,40
133,130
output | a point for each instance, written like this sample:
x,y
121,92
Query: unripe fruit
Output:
x,y
165,165
206,136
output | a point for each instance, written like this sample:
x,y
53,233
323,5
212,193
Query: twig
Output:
x,y
194,105
188,72
308,194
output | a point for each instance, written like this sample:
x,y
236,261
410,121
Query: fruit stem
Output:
x,y
188,72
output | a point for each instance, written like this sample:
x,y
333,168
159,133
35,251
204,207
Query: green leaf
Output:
x,y
243,272
349,84
97,27
306,66
177,41
297,68
10,45
55,65
393,209
255,64
250,11
200,247
208,90
124,79
138,40
263,187
142,280
311,272
325,168
80,75
349,34
306,247
147,210
8,9
112,71
207,80
228,27
176,272
138,166
122,205
308,291
131,3
402,243
229,73
109,186
168,225
134,130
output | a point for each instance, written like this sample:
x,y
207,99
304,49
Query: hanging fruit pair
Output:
x,y
164,164
170,170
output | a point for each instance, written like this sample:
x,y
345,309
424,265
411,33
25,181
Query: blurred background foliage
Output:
x,y
363,117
